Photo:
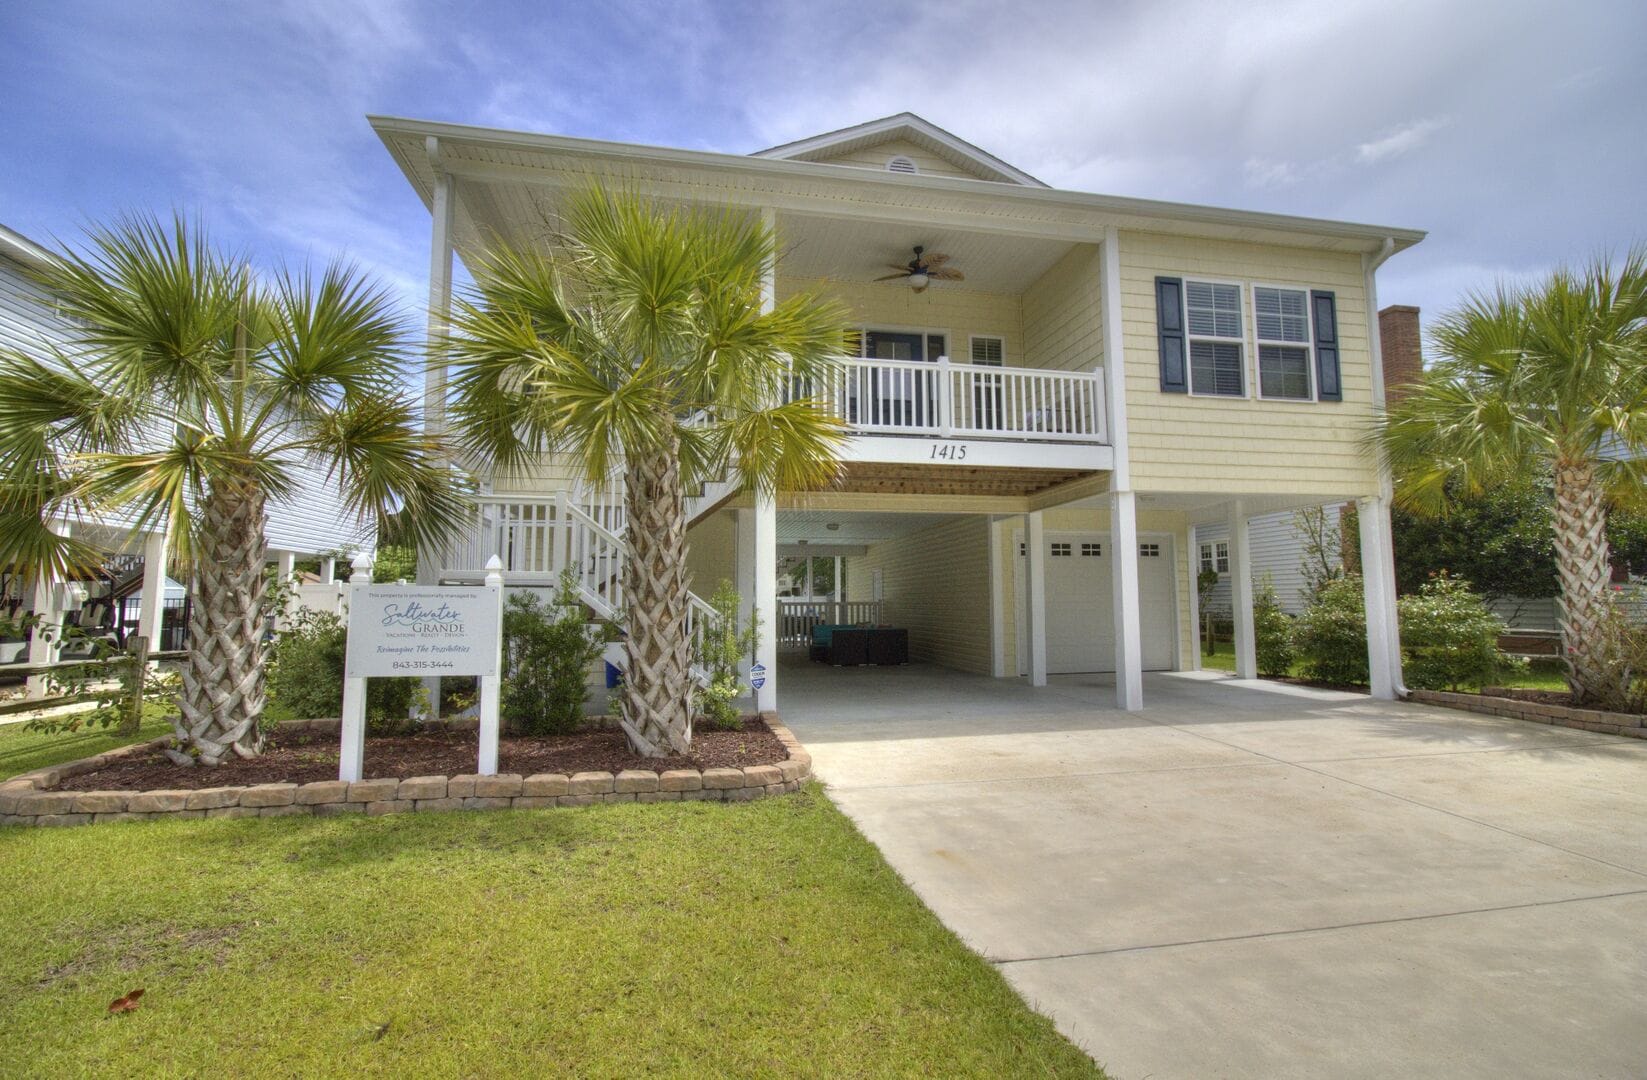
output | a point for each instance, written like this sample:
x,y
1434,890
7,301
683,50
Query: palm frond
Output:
x,y
383,463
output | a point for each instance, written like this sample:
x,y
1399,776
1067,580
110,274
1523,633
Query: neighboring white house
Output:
x,y
306,524
1033,446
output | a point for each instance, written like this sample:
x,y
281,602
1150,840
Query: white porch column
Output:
x,y
44,639
1246,655
443,207
997,606
766,597
1378,589
153,606
1194,659
1129,634
1035,595
839,614
744,576
287,563
328,570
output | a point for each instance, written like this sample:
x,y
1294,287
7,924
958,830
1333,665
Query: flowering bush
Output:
x,y
1449,640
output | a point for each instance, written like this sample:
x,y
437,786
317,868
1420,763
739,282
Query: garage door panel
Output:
x,y
1080,631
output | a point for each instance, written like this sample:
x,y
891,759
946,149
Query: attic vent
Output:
x,y
902,164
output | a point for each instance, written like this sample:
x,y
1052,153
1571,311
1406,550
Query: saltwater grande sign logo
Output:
x,y
420,630
441,619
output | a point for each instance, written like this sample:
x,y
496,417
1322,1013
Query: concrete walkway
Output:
x,y
1253,880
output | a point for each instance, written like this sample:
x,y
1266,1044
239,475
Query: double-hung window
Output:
x,y
1213,318
1215,557
1281,318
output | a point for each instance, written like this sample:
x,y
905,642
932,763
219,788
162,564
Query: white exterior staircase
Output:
x,y
536,537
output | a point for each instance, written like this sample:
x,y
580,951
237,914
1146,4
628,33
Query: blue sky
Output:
x,y
1513,132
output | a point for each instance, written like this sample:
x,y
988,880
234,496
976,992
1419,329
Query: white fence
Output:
x,y
912,398
796,618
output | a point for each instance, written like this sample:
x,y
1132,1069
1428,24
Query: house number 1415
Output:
x,y
949,451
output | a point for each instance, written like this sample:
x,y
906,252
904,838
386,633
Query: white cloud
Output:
x,y
1403,140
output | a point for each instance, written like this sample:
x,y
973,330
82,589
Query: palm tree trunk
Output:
x,y
223,692
1585,567
657,687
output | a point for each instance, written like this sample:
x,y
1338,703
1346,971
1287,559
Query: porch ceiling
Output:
x,y
846,249
881,478
814,526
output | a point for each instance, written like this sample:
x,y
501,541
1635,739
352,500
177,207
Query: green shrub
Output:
x,y
546,658
1331,636
1272,634
1449,640
305,678
722,648
305,667
1623,659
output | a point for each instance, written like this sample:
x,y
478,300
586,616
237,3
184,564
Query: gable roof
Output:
x,y
906,126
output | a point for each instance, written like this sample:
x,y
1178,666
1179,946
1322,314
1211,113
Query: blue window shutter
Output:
x,y
1169,321
1325,308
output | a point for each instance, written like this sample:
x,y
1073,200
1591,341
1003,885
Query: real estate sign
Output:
x,y
422,630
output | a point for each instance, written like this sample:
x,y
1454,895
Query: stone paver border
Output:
x,y
29,799
1608,723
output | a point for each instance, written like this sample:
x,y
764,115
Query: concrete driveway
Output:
x,y
1254,880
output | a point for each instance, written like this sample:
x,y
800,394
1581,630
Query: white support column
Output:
x,y
766,601
443,209
351,758
1378,589
286,561
997,605
45,640
1194,659
1246,656
1035,595
1115,382
491,686
151,610
744,576
766,536
1129,634
328,570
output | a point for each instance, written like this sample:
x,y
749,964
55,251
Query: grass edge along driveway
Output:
x,y
759,939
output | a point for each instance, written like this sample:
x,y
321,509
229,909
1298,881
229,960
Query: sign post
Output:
x,y
401,631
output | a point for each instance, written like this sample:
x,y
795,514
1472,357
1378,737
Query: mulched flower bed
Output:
x,y
300,757
1545,697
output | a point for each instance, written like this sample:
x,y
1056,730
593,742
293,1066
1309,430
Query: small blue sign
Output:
x,y
757,676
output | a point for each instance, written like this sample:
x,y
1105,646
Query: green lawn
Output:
x,y
689,939
22,751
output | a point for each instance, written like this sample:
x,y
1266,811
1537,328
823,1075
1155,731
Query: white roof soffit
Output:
x,y
20,248
506,158
905,125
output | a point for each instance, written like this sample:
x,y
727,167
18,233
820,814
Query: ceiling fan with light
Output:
x,y
923,270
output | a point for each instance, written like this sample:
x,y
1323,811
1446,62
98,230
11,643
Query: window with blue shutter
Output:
x,y
1324,306
1169,320
1281,319
1213,325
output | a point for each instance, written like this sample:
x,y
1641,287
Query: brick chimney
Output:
x,y
1403,353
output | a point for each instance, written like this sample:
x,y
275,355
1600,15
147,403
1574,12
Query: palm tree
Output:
x,y
1549,378
641,336
189,396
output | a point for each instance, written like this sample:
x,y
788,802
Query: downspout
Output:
x,y
1386,487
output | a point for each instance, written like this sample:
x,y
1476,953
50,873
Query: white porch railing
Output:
x,y
796,618
901,397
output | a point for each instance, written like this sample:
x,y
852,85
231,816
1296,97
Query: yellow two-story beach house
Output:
x,y
1050,391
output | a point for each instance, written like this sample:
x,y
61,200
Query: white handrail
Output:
x,y
909,397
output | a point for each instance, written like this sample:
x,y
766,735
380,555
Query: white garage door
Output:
x,y
1080,631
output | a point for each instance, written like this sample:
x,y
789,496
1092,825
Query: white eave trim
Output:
x,y
1366,237
20,248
